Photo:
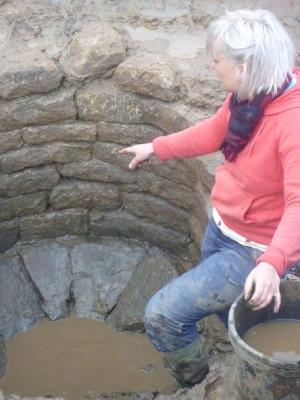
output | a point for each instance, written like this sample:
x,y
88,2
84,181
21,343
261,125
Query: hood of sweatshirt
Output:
x,y
288,100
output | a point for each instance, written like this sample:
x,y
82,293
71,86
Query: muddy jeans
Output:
x,y
209,288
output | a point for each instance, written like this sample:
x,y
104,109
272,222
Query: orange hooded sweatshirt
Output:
x,y
257,195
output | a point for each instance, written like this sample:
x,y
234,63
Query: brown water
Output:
x,y
279,339
78,357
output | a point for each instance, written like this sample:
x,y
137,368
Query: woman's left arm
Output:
x,y
262,284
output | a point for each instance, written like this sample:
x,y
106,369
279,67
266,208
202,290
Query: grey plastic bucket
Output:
x,y
258,376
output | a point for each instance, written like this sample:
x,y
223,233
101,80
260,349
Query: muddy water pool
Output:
x,y
78,357
279,339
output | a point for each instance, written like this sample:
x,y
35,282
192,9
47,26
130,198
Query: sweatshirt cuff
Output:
x,y
276,258
160,148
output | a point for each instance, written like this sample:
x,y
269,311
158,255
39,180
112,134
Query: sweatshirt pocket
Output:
x,y
228,197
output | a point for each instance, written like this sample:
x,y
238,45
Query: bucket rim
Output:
x,y
257,355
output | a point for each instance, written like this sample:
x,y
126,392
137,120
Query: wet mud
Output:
x,y
78,357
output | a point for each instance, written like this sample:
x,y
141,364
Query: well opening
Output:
x,y
108,281
80,234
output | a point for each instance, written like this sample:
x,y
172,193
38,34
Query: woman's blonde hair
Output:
x,y
259,41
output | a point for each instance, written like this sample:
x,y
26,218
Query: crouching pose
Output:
x,y
253,237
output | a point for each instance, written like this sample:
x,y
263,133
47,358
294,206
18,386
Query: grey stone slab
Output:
x,y
126,134
177,194
3,358
53,224
122,224
28,181
202,88
93,51
109,152
8,234
169,118
156,210
20,302
72,132
97,170
50,269
101,273
154,272
37,110
183,172
41,155
25,71
91,195
27,204
10,140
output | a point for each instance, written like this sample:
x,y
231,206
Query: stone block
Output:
x,y
182,172
49,268
122,224
201,86
157,211
93,51
40,155
153,272
8,234
34,203
102,100
109,152
101,273
28,181
25,71
177,194
73,132
174,180
20,302
150,76
167,117
85,195
37,110
54,224
127,134
96,170
10,140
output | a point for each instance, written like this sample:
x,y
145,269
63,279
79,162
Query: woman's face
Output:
x,y
228,73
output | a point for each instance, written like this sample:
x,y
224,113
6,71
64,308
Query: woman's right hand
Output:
x,y
142,152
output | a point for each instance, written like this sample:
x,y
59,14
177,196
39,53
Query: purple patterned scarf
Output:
x,y
244,116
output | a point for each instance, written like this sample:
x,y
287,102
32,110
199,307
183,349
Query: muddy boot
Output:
x,y
187,365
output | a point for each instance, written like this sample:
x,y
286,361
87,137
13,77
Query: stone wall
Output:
x,y
80,81
61,127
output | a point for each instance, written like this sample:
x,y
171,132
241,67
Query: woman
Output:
x,y
254,236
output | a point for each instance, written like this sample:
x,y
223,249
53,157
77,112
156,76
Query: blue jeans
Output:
x,y
209,288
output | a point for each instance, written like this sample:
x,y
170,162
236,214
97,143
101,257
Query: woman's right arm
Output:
x,y
203,138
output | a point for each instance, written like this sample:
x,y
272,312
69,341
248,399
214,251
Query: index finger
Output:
x,y
126,150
